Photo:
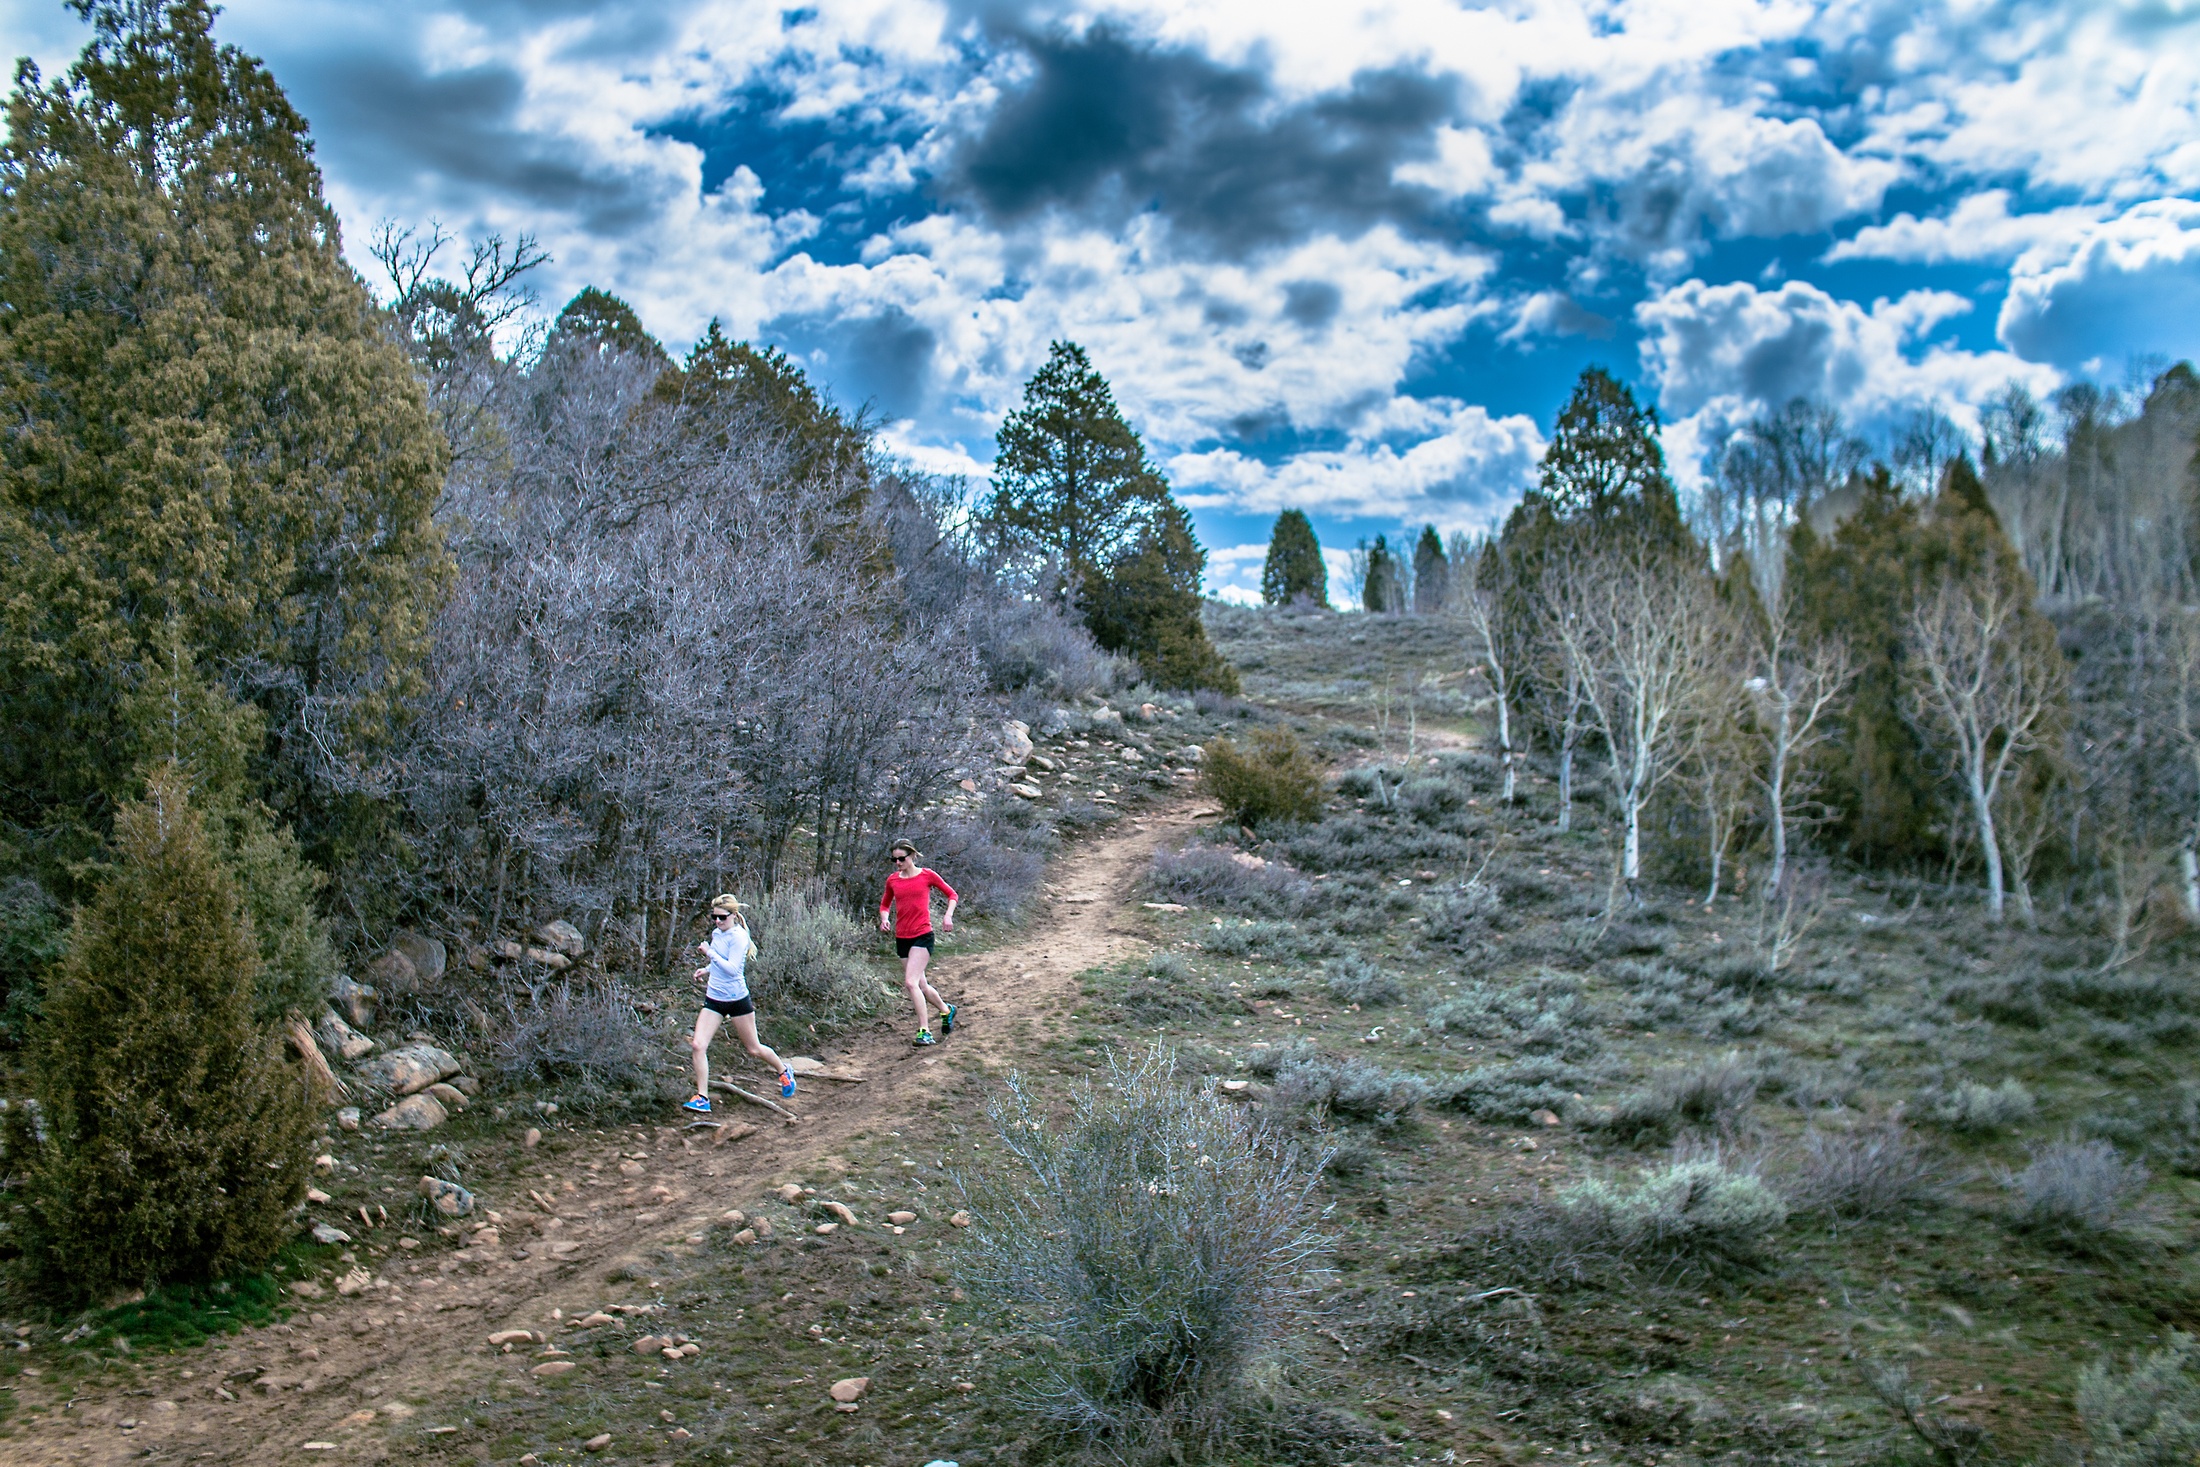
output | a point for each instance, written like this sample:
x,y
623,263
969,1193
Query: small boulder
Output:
x,y
1041,763
393,972
1544,1117
839,1210
326,1234
959,1219
355,1001
514,1337
734,1218
427,956
562,936
1025,791
532,1139
347,1119
466,1085
1015,741
1193,754
543,957
630,1168
1147,713
335,1034
453,1098
745,1237
409,1069
597,1442
803,1064
358,1281
649,1345
448,1198
316,1196
789,1192
307,1289
551,1368
413,1113
901,1219
826,1230
851,1388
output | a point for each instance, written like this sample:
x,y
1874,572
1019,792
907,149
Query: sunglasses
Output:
x,y
902,856
721,916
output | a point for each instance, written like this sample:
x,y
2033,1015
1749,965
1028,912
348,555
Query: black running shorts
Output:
x,y
732,1008
903,944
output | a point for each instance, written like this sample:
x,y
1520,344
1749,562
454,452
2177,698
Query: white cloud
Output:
x,y
2127,286
1721,353
1980,227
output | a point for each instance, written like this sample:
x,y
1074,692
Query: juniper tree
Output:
x,y
174,1135
1294,566
1431,573
216,487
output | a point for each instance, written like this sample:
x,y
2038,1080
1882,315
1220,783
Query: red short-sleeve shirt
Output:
x,y
911,899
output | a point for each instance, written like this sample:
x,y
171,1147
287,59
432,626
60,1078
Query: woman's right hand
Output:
x,y
701,974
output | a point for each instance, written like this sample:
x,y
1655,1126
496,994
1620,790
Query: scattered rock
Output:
x,y
466,1085
597,1443
763,1226
789,1193
307,1289
358,1281
594,1321
1024,791
358,1418
959,1219
824,1230
532,1139
355,1001
901,1219
1132,756
410,1069
1147,713
562,936
448,1198
630,1168
564,1248
1193,754
453,1098
323,1233
515,1337
485,1238
347,1119
1236,1089
1544,1117
1041,763
413,1113
839,1210
679,1434
1015,741
479,958
689,1350
427,956
851,1388
649,1345
550,1368
1164,906
733,1218
967,786
556,962
324,1163
393,972
335,1034
316,1196
803,1064
745,1237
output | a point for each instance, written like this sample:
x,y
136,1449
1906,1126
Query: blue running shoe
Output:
x,y
924,1037
700,1104
947,1020
786,1084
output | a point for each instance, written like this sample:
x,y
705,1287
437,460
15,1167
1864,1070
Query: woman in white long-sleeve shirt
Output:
x,y
724,975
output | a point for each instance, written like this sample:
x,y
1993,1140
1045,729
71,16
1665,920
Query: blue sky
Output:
x,y
1344,257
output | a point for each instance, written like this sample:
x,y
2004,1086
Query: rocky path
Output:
x,y
341,1376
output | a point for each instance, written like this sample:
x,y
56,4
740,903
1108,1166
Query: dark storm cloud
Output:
x,y
1312,303
1111,127
882,360
394,126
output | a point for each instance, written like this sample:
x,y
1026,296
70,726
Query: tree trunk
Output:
x,y
321,1081
2188,865
1982,804
1505,741
1566,786
1631,860
1777,788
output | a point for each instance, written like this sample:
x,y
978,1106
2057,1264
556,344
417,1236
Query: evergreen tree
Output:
x,y
1294,567
1379,587
217,486
1431,573
174,1135
1072,484
1604,457
603,319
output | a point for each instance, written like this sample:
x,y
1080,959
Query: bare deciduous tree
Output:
x,y
1640,631
1481,569
1979,676
1795,689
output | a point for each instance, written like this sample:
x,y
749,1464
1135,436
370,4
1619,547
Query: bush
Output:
x,y
1694,1211
1267,939
1268,779
1461,913
808,971
1975,1107
1168,968
994,866
31,942
1514,1092
174,1136
1710,1096
1346,1087
2147,1416
1542,1012
587,1043
1219,879
1154,1240
1862,1174
2076,1187
1355,980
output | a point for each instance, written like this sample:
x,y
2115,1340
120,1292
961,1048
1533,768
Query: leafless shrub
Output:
x,y
808,969
2076,1188
994,866
1866,1173
587,1042
1155,1241
2148,1415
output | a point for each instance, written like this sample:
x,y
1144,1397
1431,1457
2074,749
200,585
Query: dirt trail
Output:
x,y
421,1334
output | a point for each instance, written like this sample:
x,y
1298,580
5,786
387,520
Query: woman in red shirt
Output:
x,y
909,894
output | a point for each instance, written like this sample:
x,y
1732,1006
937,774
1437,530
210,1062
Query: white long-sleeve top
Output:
x,y
729,960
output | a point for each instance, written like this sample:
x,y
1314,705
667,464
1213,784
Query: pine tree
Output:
x,y
1379,588
174,1134
217,485
1294,567
1604,457
603,319
1431,573
1072,485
